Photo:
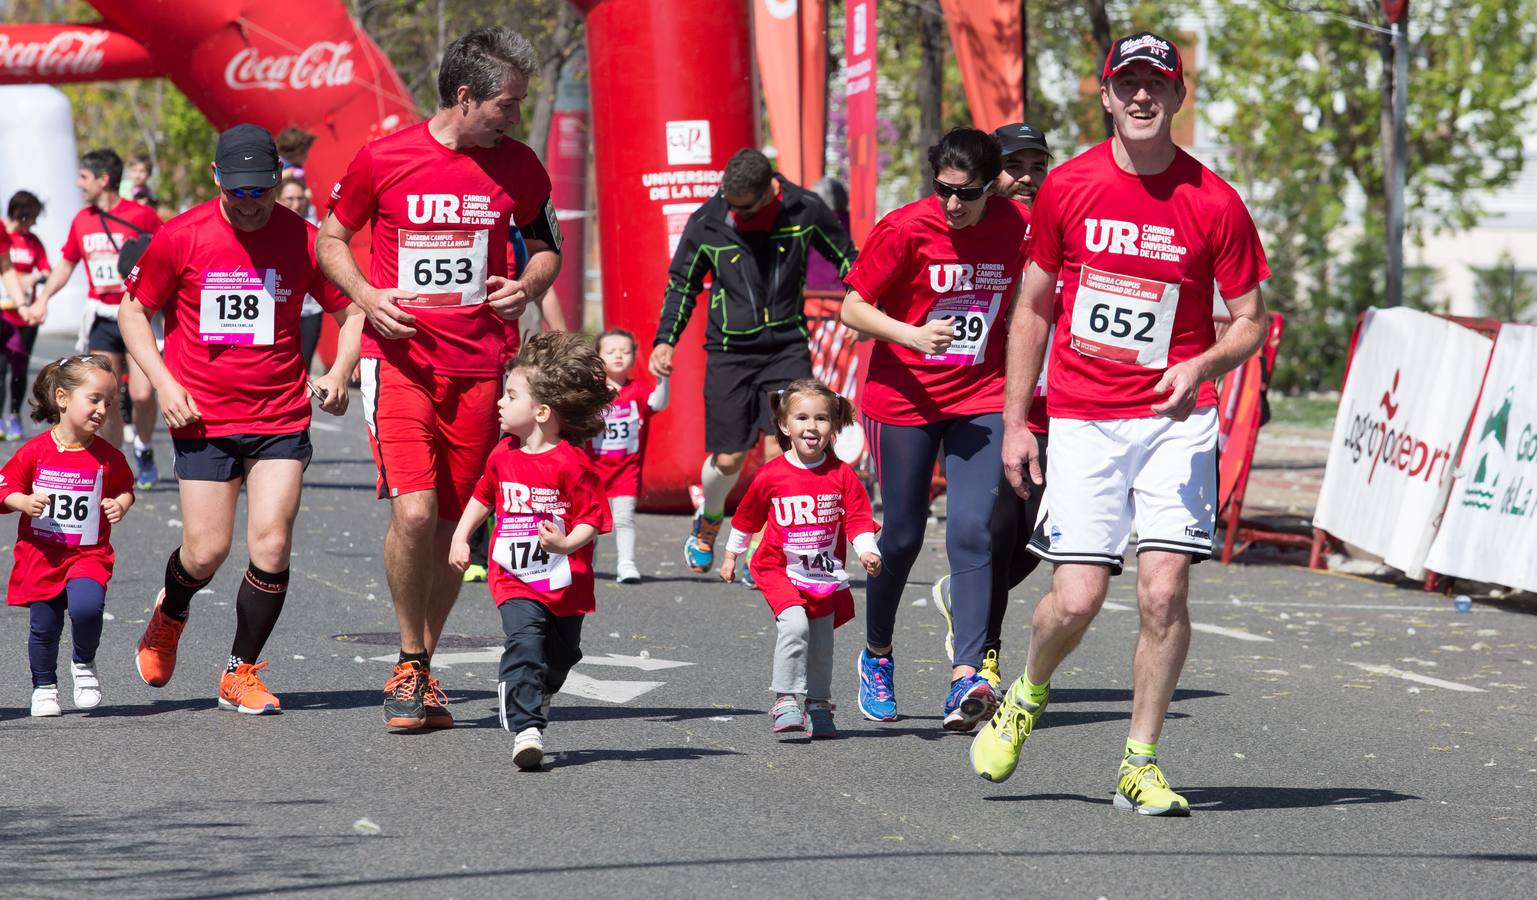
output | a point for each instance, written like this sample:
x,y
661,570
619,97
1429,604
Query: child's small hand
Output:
x,y
728,568
459,555
550,538
871,562
113,510
34,504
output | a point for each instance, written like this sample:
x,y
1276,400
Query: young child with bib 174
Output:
x,y
808,503
549,505
620,448
70,489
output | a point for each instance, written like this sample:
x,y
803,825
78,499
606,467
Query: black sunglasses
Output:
x,y
966,194
747,208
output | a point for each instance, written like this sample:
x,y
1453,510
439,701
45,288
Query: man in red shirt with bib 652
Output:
x,y
441,198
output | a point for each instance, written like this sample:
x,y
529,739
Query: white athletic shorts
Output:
x,y
1105,477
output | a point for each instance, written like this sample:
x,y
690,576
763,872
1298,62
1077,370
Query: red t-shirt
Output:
x,y
232,301
1144,253
523,488
28,255
915,267
447,214
87,241
807,515
75,539
620,448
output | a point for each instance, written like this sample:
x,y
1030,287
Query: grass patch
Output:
x,y
1316,412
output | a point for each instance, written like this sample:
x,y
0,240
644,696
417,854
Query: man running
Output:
x,y
441,198
1138,231
96,236
231,275
752,238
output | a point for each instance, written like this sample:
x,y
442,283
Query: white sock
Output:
x,y
138,445
716,485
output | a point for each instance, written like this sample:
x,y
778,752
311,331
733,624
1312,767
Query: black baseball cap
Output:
x,y
1144,46
247,158
1020,136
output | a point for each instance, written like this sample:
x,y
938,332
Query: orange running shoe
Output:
x,y
156,657
435,706
405,695
242,690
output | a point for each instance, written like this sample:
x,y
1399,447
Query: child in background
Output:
x,y
71,489
620,448
817,504
549,506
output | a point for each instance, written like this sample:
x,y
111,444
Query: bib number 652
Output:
x,y
1121,323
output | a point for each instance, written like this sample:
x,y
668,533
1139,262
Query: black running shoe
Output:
x,y
405,696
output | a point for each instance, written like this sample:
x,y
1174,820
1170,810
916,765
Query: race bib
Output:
x,y
971,318
73,515
1124,318
811,560
237,307
516,549
102,267
443,268
621,432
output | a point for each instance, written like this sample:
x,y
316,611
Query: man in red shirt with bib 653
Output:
x,y
441,198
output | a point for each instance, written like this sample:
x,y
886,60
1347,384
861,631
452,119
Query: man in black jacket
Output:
x,y
752,239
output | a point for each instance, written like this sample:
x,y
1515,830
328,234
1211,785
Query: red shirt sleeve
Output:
x,y
857,516
881,261
16,475
119,477
148,219
752,512
531,202
353,201
1045,245
1239,265
589,505
5,240
71,250
40,256
153,280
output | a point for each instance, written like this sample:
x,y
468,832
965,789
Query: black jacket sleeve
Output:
x,y
831,239
685,280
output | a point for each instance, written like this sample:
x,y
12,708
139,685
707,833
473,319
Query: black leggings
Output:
x,y
18,356
83,600
1012,524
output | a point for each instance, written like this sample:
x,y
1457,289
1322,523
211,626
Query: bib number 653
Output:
x,y
442,272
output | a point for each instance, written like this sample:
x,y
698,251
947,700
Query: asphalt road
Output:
x,y
1336,737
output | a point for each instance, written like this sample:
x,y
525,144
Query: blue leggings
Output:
x,y
904,461
84,599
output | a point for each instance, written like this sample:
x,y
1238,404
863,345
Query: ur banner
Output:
x,y
1412,382
1490,527
864,159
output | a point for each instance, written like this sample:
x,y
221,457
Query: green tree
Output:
x,y
1305,88
1505,292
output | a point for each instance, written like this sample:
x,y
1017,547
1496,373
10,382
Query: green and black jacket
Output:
x,y
758,277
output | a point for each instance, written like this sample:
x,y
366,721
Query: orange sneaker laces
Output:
x,y
403,683
248,679
435,695
161,634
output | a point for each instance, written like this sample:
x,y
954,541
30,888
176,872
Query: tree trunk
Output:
x,y
567,38
931,78
1024,60
1099,23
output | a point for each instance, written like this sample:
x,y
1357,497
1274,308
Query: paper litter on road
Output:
x,y
367,826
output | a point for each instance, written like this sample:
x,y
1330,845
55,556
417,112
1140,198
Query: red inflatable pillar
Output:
x,y
566,158
672,100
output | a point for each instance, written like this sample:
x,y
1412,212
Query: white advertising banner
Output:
x,y
1412,385
1489,532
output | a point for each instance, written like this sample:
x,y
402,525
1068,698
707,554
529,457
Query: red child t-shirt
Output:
x,y
916,268
620,448
97,239
232,300
72,539
807,516
28,255
522,489
1138,257
440,222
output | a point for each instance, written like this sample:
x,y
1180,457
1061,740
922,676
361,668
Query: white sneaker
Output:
x,y
45,701
527,747
87,685
627,573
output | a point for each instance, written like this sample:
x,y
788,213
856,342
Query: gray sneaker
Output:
x,y
528,749
819,719
787,715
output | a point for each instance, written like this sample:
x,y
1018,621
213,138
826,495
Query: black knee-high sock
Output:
x,y
179,588
257,607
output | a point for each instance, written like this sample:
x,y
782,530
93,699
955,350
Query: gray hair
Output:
x,y
482,60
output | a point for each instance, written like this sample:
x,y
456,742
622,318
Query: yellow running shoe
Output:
x,y
1143,789
989,670
995,749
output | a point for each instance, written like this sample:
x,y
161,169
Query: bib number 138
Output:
x,y
238,307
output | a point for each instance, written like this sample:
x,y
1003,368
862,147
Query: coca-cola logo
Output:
x,y
66,53
320,65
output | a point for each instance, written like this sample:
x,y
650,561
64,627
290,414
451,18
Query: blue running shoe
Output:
x,y
971,700
877,687
699,549
149,474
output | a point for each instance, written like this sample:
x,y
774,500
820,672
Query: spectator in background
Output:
x,y
293,194
822,275
294,148
136,181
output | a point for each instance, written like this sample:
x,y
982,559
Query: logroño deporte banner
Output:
x,y
1489,531
1412,381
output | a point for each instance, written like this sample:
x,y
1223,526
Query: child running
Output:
x,y
818,503
620,448
71,489
549,506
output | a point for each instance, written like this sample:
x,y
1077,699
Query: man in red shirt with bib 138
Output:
x,y
1138,231
440,198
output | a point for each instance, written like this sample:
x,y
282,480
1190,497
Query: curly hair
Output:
x,y
66,374
565,374
842,412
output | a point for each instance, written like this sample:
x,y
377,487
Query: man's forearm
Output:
x,y
349,340
540,272
1242,340
336,261
139,338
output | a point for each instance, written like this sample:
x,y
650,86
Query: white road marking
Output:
x,y
577,684
1416,677
1229,632
324,426
1118,607
1258,604
644,663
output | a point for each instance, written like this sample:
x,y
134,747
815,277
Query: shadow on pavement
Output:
x,y
1117,695
1246,798
565,759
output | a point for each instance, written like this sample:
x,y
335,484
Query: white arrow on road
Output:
x,y
644,663
577,684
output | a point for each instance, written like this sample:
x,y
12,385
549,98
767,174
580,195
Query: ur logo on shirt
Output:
x,y
439,209
515,497
947,277
1110,235
796,510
